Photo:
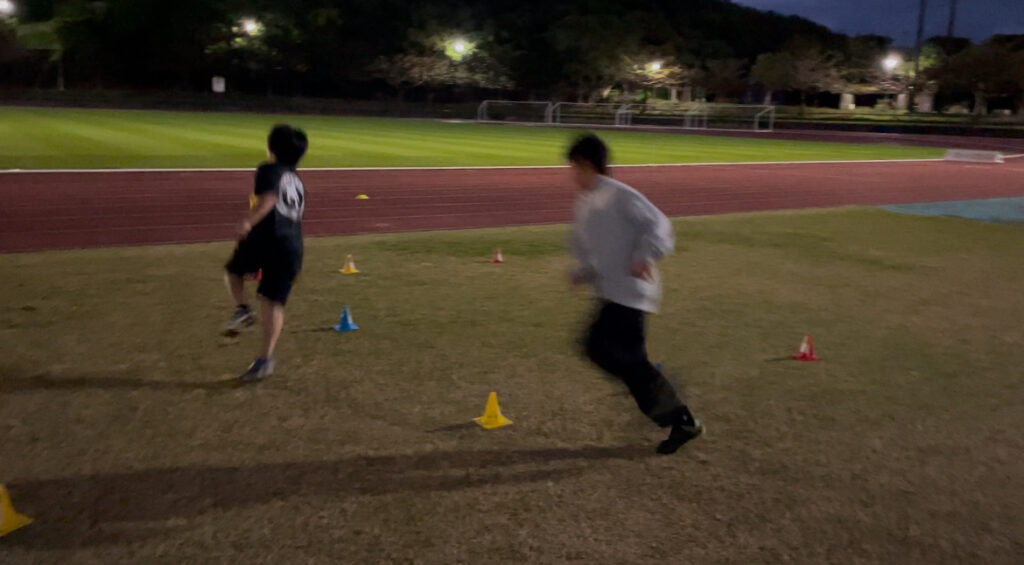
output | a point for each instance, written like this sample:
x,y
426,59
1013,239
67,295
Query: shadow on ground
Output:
x,y
82,511
106,381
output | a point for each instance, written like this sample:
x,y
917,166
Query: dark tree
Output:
x,y
989,69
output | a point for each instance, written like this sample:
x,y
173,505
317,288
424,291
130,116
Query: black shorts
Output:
x,y
280,261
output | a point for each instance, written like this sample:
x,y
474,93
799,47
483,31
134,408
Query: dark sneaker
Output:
x,y
259,370
242,318
679,436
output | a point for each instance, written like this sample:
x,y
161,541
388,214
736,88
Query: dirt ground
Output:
x,y
123,437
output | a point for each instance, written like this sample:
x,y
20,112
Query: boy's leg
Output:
x,y
236,288
596,341
273,322
279,272
272,312
241,262
616,343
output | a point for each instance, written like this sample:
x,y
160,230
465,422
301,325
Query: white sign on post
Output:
x,y
219,85
974,156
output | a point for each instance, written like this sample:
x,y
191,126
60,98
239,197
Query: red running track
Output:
x,y
93,209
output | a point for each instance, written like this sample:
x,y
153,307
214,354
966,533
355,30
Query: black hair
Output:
x,y
288,144
591,150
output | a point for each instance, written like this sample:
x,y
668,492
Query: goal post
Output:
x,y
581,113
701,116
691,116
514,111
754,117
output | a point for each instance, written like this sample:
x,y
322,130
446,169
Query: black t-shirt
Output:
x,y
285,220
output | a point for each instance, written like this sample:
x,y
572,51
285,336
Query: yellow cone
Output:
x,y
492,417
362,197
350,266
10,520
253,201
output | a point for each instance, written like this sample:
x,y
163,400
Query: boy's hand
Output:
x,y
244,228
642,270
577,278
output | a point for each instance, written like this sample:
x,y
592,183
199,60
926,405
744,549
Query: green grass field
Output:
x,y
89,139
903,445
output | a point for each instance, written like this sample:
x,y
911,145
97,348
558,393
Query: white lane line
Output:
x,y
470,168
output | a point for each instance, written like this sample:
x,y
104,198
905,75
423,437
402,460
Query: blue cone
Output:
x,y
345,324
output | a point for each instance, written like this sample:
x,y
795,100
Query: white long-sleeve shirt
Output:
x,y
615,227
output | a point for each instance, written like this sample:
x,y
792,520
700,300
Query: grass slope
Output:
x,y
73,138
901,446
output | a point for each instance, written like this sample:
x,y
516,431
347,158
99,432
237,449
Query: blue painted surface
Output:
x,y
1000,210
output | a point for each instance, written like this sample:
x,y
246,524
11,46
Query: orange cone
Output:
x,y
806,352
497,259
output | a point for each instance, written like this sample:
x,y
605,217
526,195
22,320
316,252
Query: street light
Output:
x,y
458,48
655,66
891,62
6,8
250,26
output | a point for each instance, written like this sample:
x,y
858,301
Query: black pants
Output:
x,y
616,343
280,260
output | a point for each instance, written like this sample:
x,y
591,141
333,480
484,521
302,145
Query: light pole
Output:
x,y
890,64
920,36
952,19
917,50
653,80
251,31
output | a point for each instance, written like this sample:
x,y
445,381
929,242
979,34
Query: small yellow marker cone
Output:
x,y
350,266
362,197
10,520
492,417
253,201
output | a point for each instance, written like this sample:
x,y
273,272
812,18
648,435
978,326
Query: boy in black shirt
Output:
x,y
270,239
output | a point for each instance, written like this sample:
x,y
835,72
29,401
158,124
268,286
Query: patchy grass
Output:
x,y
124,439
51,138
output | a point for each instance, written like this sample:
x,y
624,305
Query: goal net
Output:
x,y
576,113
730,117
700,116
696,116
514,111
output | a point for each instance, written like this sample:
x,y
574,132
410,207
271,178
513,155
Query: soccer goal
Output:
x,y
577,113
701,115
514,111
730,117
695,116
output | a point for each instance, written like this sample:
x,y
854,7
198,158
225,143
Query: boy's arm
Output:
x,y
584,272
654,237
267,178
266,203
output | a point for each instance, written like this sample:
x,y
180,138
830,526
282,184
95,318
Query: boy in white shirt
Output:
x,y
617,237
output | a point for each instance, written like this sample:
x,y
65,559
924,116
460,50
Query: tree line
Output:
x,y
588,50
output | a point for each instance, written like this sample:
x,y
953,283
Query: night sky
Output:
x,y
977,19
